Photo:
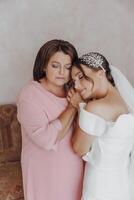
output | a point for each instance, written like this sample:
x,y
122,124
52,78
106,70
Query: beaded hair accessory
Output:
x,y
92,59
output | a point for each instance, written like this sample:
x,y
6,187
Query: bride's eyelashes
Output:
x,y
81,76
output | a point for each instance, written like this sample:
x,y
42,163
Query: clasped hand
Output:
x,y
74,98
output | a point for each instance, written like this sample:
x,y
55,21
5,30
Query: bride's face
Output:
x,y
82,85
89,87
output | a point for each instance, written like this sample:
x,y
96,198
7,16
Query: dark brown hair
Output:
x,y
47,51
105,65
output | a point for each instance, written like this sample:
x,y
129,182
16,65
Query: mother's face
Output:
x,y
58,69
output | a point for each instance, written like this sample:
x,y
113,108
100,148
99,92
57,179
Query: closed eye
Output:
x,y
55,66
81,76
68,67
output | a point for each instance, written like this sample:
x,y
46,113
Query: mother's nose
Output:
x,y
61,70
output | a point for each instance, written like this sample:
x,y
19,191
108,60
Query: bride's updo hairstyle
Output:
x,y
95,61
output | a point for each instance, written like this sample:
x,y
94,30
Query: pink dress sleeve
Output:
x,y
35,122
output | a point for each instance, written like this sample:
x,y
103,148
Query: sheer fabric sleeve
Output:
x,y
131,174
131,167
37,126
91,123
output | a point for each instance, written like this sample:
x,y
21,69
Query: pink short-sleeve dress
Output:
x,y
50,168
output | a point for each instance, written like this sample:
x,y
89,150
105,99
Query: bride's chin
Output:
x,y
86,98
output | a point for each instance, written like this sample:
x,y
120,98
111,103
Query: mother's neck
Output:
x,y
56,90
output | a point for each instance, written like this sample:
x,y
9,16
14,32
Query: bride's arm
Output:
x,y
81,141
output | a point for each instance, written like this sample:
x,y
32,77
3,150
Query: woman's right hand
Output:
x,y
74,98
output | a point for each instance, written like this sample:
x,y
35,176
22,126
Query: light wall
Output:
x,y
91,25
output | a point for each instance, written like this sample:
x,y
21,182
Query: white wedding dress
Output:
x,y
107,171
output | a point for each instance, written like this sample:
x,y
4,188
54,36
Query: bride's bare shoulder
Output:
x,y
101,108
96,105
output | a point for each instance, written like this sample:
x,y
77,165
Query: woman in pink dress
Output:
x,y
50,168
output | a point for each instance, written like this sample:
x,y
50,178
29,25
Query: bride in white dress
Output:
x,y
105,135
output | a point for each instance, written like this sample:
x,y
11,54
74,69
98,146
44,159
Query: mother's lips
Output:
x,y
60,77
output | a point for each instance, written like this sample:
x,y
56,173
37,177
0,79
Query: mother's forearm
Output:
x,y
66,119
